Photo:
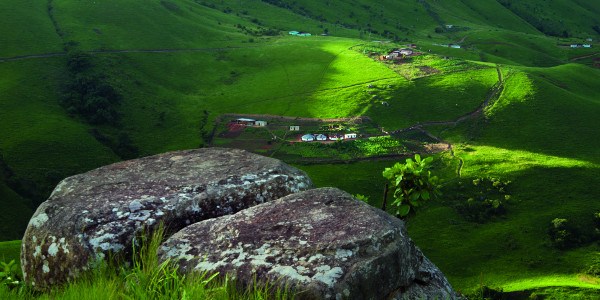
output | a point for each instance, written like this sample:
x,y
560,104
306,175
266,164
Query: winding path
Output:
x,y
494,93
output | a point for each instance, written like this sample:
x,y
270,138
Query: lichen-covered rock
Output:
x,y
101,211
322,243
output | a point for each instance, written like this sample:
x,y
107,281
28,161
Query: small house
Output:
x,y
449,26
294,128
392,55
454,46
406,52
589,40
587,46
321,137
350,136
574,46
260,123
336,137
308,138
293,32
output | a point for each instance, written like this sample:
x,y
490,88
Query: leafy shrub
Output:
x,y
562,234
413,184
486,198
362,197
596,220
594,268
10,275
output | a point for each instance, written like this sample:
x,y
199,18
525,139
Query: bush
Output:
x,y
486,199
87,93
413,184
562,234
596,220
10,275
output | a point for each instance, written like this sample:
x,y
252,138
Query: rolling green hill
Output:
x,y
177,65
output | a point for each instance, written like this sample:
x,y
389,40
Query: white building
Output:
x,y
587,46
336,137
406,52
308,138
350,135
245,121
321,137
260,123
294,128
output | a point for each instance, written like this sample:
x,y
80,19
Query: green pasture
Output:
x,y
107,25
10,250
473,14
26,29
34,125
576,17
433,98
15,219
553,111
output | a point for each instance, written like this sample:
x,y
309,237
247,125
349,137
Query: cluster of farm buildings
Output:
x,y
581,45
398,54
328,137
305,138
250,122
588,44
298,33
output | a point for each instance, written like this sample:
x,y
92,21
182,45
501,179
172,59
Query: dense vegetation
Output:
x,y
86,85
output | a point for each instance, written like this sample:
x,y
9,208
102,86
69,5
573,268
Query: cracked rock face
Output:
x,y
323,243
100,212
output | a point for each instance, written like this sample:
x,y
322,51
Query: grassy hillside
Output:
x,y
559,18
179,64
16,217
26,29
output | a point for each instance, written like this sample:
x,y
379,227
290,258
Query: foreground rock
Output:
x,y
99,212
323,243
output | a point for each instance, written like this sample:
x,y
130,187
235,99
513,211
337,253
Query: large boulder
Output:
x,y
322,243
99,212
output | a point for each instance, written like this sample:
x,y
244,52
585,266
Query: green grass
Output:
x,y
576,17
10,250
108,25
15,219
25,28
473,13
34,125
541,115
433,98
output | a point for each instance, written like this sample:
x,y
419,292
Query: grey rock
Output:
x,y
322,243
101,211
